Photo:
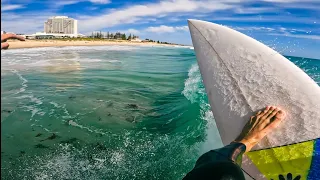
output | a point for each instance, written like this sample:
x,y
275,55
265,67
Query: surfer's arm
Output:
x,y
219,163
232,152
236,151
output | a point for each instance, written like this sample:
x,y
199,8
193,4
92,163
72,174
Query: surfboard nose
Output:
x,y
197,23
201,28
192,22
203,25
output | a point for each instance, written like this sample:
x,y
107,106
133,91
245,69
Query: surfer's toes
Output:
x,y
270,118
270,114
276,117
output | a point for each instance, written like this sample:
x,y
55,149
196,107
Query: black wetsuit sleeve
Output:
x,y
219,164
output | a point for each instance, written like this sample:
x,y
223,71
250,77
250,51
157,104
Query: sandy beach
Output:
x,y
14,44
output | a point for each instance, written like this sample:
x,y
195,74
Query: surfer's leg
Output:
x,y
225,162
220,164
260,125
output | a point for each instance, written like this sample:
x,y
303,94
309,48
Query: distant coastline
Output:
x,y
79,42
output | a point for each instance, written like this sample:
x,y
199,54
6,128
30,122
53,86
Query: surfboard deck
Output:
x,y
242,76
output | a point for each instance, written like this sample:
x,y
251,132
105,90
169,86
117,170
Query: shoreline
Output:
x,y
14,44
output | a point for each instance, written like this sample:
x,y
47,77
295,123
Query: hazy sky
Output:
x,y
290,26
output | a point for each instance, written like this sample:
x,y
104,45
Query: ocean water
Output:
x,y
109,112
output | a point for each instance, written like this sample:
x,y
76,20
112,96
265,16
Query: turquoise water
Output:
x,y
112,112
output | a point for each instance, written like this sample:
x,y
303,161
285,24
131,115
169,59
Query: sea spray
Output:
x,y
195,92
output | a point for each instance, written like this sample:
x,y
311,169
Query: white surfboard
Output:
x,y
242,76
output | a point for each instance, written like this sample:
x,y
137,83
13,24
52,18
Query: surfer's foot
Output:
x,y
260,125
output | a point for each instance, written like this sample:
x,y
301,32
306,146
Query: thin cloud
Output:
x,y
182,28
10,7
134,13
132,31
100,1
311,6
296,4
66,2
254,10
253,28
69,2
161,29
280,31
166,29
267,18
313,37
288,1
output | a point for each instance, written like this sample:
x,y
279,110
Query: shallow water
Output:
x,y
109,112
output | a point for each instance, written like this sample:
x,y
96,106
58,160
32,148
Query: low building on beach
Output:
x,y
136,40
42,35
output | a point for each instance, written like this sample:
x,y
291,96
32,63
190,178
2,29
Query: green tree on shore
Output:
x,y
124,37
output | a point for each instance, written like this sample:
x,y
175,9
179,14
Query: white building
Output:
x,y
61,25
136,40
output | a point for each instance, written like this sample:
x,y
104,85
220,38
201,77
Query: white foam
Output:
x,y
113,61
73,123
117,157
56,105
194,91
34,109
191,85
56,60
23,83
68,48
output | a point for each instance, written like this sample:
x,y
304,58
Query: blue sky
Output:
x,y
292,27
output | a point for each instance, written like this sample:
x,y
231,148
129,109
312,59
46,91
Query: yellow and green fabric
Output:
x,y
298,159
